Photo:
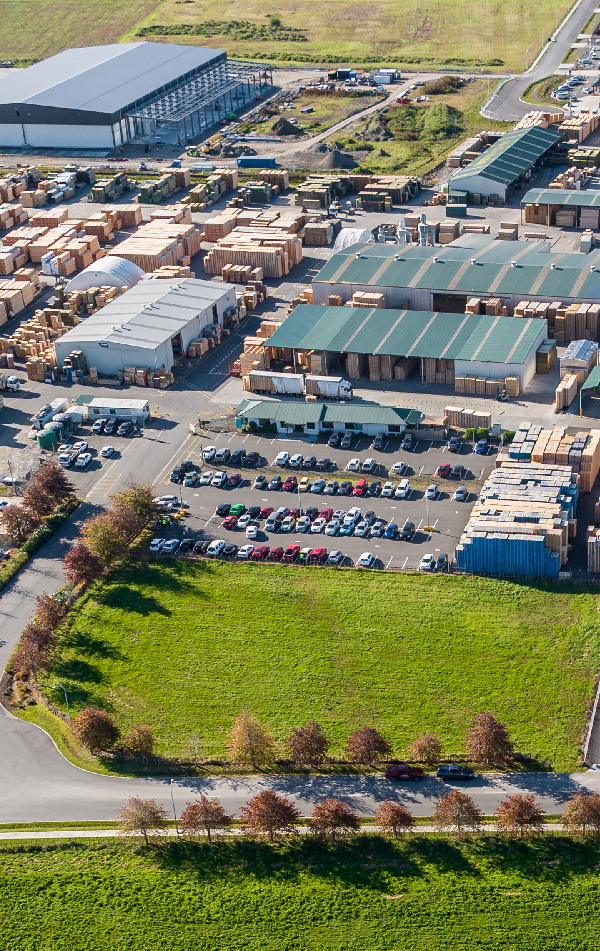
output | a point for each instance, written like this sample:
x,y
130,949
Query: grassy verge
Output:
x,y
405,654
43,534
62,736
303,894
541,93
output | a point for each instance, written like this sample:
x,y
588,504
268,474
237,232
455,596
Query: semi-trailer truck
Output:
x,y
295,384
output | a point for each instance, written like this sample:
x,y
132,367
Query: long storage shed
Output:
x,y
563,207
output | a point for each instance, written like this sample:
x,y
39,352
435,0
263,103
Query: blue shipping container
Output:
x,y
247,161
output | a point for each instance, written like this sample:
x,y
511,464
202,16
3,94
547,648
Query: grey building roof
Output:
x,y
449,269
102,79
408,333
512,155
561,196
298,413
148,314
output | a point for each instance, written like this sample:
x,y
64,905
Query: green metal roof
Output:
x,y
561,196
593,379
408,333
294,412
512,155
297,413
450,269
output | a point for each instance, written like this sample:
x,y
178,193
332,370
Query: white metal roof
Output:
x,y
148,314
100,402
111,270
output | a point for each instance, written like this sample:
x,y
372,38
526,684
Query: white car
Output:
x,y
296,461
252,532
245,552
369,465
354,513
427,563
333,527
353,465
215,548
65,460
83,460
388,490
80,446
157,544
432,491
399,468
402,489
243,521
282,458
107,451
288,524
209,453
219,479
366,560
66,447
165,499
303,524
318,526
170,546
206,477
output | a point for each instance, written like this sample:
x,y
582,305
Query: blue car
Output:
x,y
482,447
347,528
391,531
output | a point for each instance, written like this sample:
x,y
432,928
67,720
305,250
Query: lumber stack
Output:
x,y
220,225
579,127
175,214
539,118
159,244
123,216
275,251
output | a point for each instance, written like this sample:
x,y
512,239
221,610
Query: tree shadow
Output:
x,y
124,598
77,671
92,645
550,857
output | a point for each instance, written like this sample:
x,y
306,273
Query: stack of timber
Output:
x,y
449,231
368,299
460,418
565,393
545,357
579,127
276,252
540,119
278,177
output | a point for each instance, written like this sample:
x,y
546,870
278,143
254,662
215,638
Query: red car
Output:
x,y
266,511
230,522
290,484
317,556
276,554
295,513
361,487
326,514
234,480
443,470
261,553
291,553
400,771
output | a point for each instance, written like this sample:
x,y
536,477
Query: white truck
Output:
x,y
9,382
295,384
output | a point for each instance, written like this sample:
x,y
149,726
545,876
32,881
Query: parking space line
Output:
x,y
416,444
404,564
389,563
419,526
421,470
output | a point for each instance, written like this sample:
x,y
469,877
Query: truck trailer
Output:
x,y
295,384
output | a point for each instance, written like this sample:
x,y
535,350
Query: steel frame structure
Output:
x,y
199,102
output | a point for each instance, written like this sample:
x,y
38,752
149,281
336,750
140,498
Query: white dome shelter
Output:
x,y
112,271
350,236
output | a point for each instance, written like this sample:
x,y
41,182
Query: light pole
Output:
x,y
501,429
526,61
12,481
174,813
60,687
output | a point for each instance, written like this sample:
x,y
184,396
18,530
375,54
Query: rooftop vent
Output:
x,y
473,260
552,266
513,263
435,259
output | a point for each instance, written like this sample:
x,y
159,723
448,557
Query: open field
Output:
x,y
367,893
184,646
327,111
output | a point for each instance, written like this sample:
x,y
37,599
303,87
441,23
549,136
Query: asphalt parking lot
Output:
x,y
438,523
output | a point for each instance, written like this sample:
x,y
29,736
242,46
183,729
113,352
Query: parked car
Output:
x,y
332,487
369,465
401,772
366,560
234,480
427,563
303,524
360,488
157,544
432,491
230,523
312,512
304,484
83,460
222,456
318,486
186,545
361,529
252,459
254,511
482,447
374,488
107,451
238,457
347,440
449,771
291,553
201,547
288,525
333,527
407,531
304,555
407,442
403,489
261,553
98,425
377,529
275,484
391,531
388,490
252,532
245,552
283,511
456,472
206,477
282,458
209,453
461,494
290,484
323,464
230,550
191,480
260,482
442,562
334,440
318,556
111,426
309,462
347,526
219,480
276,554
296,461
244,520
170,546
378,442
443,470
399,468
223,509
353,465
265,512
273,522
326,513
335,558
125,429
319,525
453,444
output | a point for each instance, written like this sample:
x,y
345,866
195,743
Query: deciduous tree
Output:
x,y
520,815
96,729
127,524
138,497
307,744
426,749
204,815
103,537
457,812
367,745
332,817
249,741
50,610
18,523
141,817
487,741
269,814
581,815
393,818
52,479
81,565
139,741
37,501
28,658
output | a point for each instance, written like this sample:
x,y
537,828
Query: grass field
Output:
x,y
183,646
327,111
301,896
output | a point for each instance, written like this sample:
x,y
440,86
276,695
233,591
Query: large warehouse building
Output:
x,y
103,96
443,279
148,325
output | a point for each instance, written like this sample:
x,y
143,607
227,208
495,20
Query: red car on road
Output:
x,y
261,553
400,771
230,522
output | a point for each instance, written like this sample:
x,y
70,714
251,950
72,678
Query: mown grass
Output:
x,y
184,646
368,893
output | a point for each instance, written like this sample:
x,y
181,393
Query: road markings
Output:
x,y
404,564
178,455
389,563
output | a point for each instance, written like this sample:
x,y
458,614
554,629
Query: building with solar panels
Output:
x,y
105,96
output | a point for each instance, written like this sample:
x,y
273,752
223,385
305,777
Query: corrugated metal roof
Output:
x,y
593,379
103,79
510,156
561,196
408,333
449,269
298,413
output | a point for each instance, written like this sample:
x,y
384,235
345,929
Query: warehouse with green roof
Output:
x,y
504,164
490,347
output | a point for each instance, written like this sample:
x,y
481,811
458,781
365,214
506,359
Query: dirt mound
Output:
x,y
375,131
284,127
381,153
336,159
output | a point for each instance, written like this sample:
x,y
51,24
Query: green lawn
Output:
x,y
426,893
183,646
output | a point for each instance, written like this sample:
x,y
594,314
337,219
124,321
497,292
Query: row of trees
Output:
x,y
271,815
48,489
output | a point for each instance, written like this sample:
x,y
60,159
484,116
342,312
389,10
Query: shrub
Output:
x,y
96,729
139,741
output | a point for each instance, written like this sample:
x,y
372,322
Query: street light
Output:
x,y
60,687
12,481
174,813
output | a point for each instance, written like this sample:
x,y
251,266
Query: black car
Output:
x,y
346,488
407,442
456,472
334,440
187,466
252,459
323,464
125,429
253,511
187,544
222,510
177,475
229,551
111,426
275,483
449,771
374,488
442,562
200,547
99,425
237,457
309,462
312,512
454,444
378,441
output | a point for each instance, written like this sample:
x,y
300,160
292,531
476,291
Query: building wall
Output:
x,y
115,356
62,136
478,184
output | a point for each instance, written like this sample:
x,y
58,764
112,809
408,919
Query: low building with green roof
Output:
x,y
288,416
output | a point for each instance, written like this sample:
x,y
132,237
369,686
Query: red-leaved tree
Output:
x,y
393,818
581,815
81,565
367,745
520,815
204,815
426,749
487,741
139,741
29,658
18,523
50,611
457,812
96,729
332,817
307,744
55,484
142,817
269,814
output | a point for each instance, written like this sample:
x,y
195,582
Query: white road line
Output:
x,y
404,564
389,563
164,469
416,444
419,526
431,446
246,437
421,469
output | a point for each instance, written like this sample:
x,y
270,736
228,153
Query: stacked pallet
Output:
x,y
253,355
404,366
11,215
159,244
545,357
356,365
255,193
439,371
368,299
565,218
100,227
460,418
508,231
449,231
475,229
334,300
279,177
318,234
565,392
455,157
540,119
273,251
241,274
51,218
123,216
588,218
398,188
220,225
305,297
579,127
33,198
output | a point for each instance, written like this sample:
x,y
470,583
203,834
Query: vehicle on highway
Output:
x,y
388,490
377,529
275,484
366,560
407,443
238,457
346,441
319,525
441,563
260,482
245,552
427,563
353,465
332,487
230,550
282,458
265,512
206,477
157,544
399,468
374,488
346,488
252,532
125,429
98,425
209,453
335,558
461,494
252,459
276,554
234,480
456,472
333,527
219,480
369,465
401,772
309,462
296,461
407,531
318,556
449,771
432,491
360,488
391,531
238,508
261,553
222,456
453,444
83,460
482,447
223,509
378,442
288,524
318,486
273,522
244,520
290,484
334,440
230,523
304,484
170,546
291,553
443,470
304,555
323,464
303,524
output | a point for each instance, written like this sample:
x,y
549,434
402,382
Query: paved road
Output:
x,y
507,104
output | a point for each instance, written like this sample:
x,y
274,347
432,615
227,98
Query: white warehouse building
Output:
x,y
148,325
